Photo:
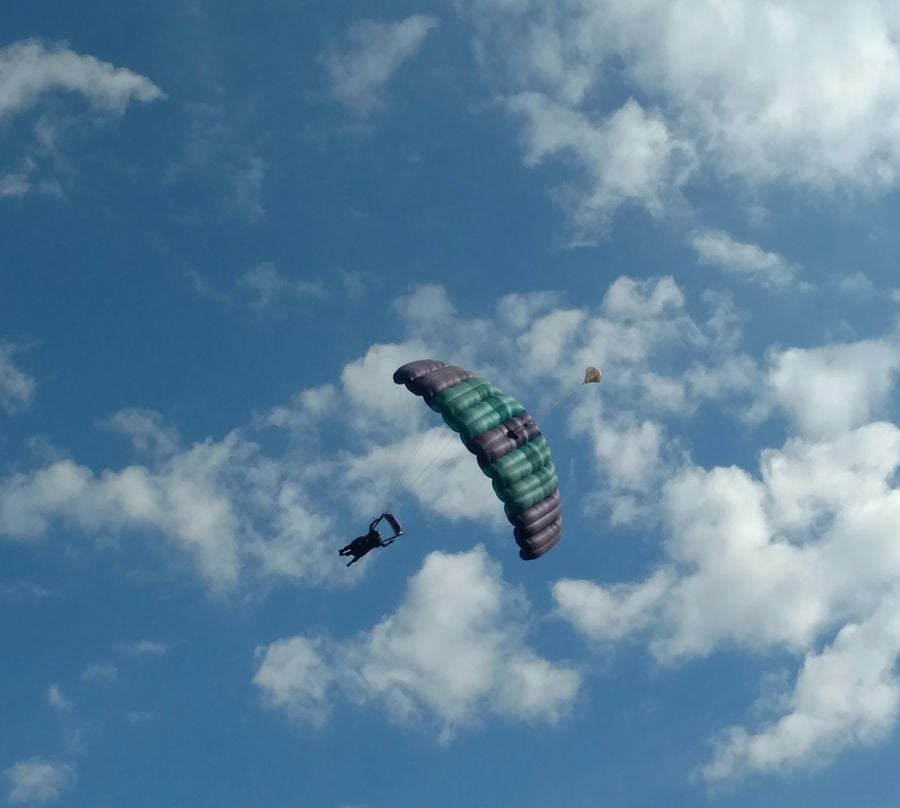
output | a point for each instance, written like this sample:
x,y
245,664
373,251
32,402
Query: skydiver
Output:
x,y
365,544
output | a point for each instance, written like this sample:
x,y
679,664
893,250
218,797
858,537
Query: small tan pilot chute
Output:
x,y
592,375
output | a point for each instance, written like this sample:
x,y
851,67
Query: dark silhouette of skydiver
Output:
x,y
365,544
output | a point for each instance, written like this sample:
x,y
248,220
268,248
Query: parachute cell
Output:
x,y
506,442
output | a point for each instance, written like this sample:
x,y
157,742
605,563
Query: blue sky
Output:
x,y
223,227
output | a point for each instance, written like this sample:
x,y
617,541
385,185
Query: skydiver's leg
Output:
x,y
354,560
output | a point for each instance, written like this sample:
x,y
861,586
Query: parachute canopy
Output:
x,y
506,442
592,375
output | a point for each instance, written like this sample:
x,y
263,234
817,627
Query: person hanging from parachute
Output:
x,y
507,444
362,545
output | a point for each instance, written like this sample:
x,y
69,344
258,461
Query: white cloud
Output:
x,y
27,591
295,676
31,71
820,108
145,648
735,376
818,111
629,156
373,51
452,653
223,504
517,309
629,451
267,287
808,549
855,285
628,299
16,387
614,612
425,307
434,467
377,404
846,694
247,181
834,388
307,408
38,780
14,185
147,431
139,716
57,699
99,672
30,68
768,269
550,337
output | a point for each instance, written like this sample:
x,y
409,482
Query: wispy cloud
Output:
x,y
38,780
16,387
144,648
31,71
267,287
31,68
630,156
247,181
146,429
57,699
358,70
14,185
27,591
741,260
97,672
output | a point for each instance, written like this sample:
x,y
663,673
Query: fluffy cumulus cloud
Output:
x,y
847,693
800,557
359,68
627,157
223,505
831,389
453,652
38,781
296,677
819,109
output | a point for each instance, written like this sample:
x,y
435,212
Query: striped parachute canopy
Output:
x,y
505,440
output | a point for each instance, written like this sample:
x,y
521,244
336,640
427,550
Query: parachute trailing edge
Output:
x,y
506,442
